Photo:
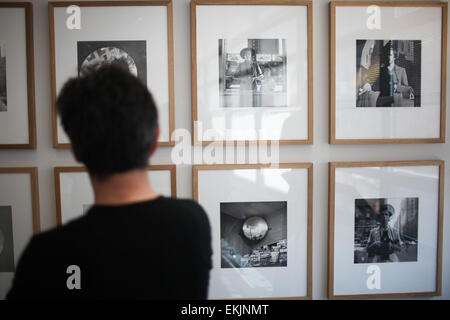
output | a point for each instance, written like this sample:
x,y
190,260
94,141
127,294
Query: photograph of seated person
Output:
x,y
132,243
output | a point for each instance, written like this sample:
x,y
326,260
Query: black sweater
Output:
x,y
158,249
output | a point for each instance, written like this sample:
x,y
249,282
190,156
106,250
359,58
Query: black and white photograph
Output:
x,y
6,240
3,95
252,73
386,230
388,73
253,234
130,54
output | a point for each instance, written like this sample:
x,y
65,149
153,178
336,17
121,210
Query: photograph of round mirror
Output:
x,y
255,228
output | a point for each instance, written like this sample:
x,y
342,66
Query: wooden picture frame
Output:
x,y
19,218
58,171
425,122
27,94
384,174
305,84
235,193
163,95
33,172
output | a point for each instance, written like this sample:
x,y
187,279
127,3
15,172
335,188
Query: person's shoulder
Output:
x,y
182,204
60,235
185,209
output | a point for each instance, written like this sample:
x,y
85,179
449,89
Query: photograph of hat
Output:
x,y
245,50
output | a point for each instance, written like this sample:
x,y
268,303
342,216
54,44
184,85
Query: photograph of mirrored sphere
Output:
x,y
386,230
130,54
253,234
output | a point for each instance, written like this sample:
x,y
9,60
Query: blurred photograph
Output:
x,y
6,240
3,95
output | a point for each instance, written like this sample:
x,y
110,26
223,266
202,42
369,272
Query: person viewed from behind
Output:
x,y
133,243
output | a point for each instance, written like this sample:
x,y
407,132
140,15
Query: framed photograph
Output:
x,y
19,219
385,229
387,75
261,224
74,194
252,79
17,106
138,34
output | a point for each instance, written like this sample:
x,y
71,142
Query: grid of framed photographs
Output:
x,y
19,218
252,81
74,194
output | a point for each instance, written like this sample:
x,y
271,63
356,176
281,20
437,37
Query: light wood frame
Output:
x,y
331,226
194,4
305,165
28,6
167,3
34,182
58,170
333,5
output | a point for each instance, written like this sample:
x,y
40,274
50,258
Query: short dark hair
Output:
x,y
110,118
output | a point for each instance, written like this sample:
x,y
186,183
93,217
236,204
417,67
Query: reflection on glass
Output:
x,y
255,228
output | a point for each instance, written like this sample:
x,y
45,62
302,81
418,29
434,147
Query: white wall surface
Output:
x,y
45,157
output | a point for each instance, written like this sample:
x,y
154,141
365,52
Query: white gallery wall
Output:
x,y
45,157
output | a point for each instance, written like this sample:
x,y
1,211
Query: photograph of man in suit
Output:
x,y
394,85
